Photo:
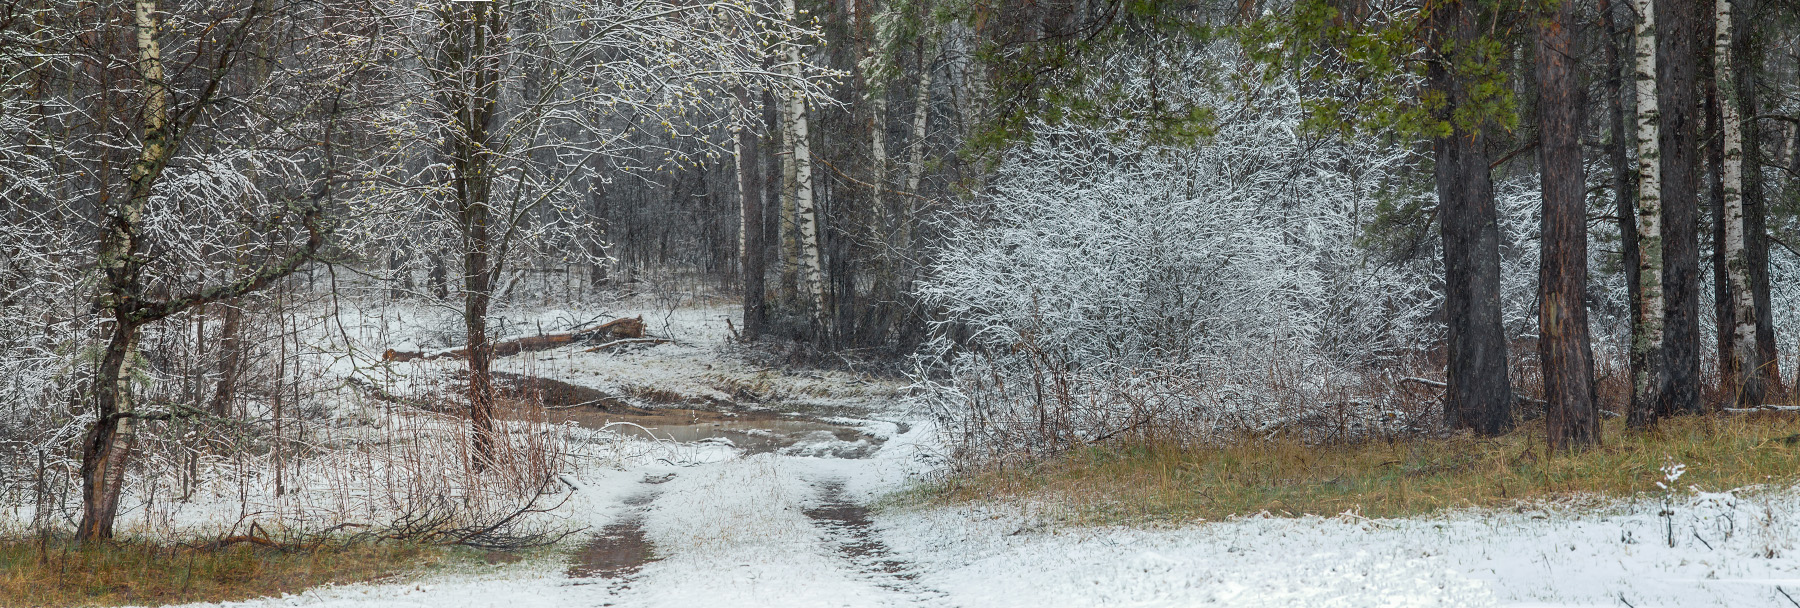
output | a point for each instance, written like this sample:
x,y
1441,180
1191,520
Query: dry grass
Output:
x,y
1147,482
58,574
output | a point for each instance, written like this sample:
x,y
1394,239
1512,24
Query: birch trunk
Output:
x,y
806,217
1623,170
107,447
1647,336
1745,370
920,120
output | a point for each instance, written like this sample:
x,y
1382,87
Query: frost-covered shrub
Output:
x,y
1103,285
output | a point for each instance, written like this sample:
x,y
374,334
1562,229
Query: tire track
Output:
x,y
848,527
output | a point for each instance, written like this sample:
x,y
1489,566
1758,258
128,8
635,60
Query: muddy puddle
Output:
x,y
620,549
752,431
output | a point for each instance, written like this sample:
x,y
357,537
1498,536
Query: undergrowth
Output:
x,y
1136,482
54,573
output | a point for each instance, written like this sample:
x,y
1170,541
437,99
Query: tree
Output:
x,y
1571,418
1740,359
519,102
1647,331
187,126
1622,187
1679,391
1479,395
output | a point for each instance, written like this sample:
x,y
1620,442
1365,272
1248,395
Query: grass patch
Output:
x,y
60,573
1149,482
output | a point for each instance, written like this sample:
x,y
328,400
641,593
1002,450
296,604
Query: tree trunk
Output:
x,y
231,356
1479,395
1564,349
1746,57
750,203
1647,336
107,447
1745,369
806,215
1622,178
472,97
1675,67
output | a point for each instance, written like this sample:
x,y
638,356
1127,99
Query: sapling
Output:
x,y
1671,471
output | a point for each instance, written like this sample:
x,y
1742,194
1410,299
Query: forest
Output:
x,y
879,302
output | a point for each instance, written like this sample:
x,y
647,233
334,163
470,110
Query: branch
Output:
x,y
315,239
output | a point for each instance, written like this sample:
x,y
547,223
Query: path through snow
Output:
x,y
791,528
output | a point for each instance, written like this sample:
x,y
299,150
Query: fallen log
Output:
x,y
628,328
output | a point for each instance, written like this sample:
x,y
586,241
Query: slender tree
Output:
x,y
1564,349
1622,173
1647,334
1745,369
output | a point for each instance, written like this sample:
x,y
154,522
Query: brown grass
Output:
x,y
57,574
1148,482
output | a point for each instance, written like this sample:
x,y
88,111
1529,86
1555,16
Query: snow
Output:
x,y
733,530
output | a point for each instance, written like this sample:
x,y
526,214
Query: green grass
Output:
x,y
1149,482
60,573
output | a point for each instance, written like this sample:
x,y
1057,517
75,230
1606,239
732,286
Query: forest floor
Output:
x,y
762,486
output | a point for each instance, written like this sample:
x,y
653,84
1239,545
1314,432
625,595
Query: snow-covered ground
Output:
x,y
788,528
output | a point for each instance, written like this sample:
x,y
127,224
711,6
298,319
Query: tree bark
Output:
x,y
750,203
1564,349
1647,336
1744,375
1622,182
1479,395
1675,67
806,215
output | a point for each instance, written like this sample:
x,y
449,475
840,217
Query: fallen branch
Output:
x,y
627,342
616,329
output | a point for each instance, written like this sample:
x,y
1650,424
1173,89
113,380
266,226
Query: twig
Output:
x,y
1790,598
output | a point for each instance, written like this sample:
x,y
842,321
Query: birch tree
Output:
x,y
1741,362
514,104
1647,334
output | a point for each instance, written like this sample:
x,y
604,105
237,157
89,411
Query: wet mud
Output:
x,y
849,527
618,550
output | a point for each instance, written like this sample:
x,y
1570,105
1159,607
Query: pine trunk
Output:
x,y
1479,395
1675,67
1564,349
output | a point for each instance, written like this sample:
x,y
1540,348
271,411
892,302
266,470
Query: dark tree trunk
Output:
x,y
750,200
1624,171
231,355
1724,309
1675,70
106,450
1564,349
1479,395
471,94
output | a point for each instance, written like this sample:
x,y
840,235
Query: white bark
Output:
x,y
1649,210
921,119
806,220
1737,264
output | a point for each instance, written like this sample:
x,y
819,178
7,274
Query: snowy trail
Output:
x,y
793,528
794,531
